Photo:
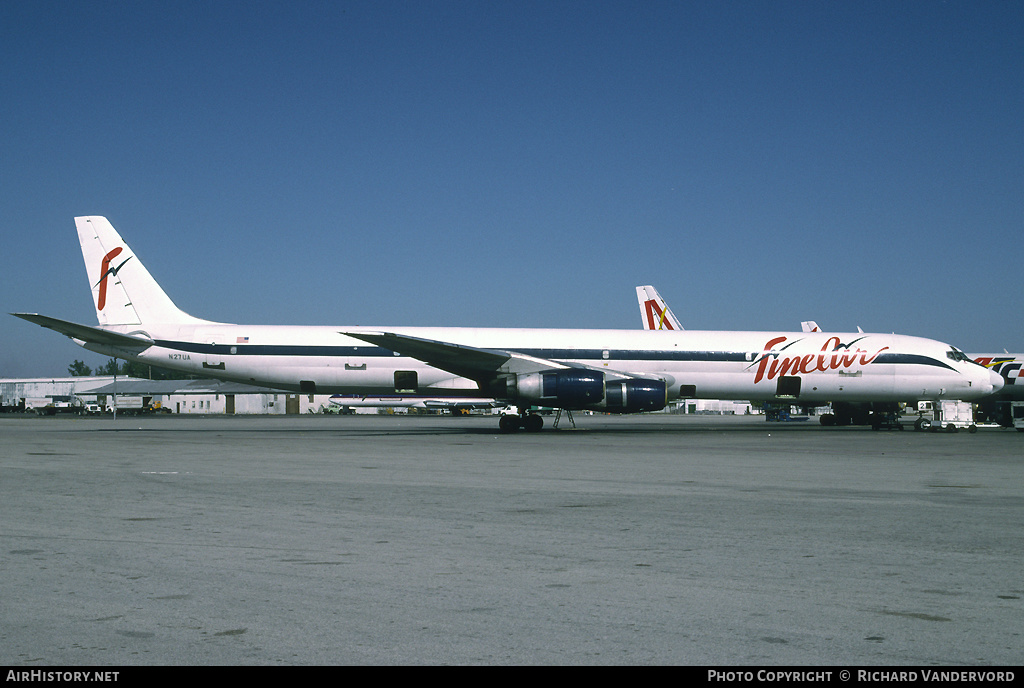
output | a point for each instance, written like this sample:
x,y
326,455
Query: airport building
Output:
x,y
133,395
31,393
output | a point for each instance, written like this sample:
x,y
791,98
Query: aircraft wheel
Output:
x,y
533,423
508,423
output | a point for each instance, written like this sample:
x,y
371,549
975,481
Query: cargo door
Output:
x,y
788,387
406,382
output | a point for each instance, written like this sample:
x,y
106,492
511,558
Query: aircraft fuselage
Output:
x,y
809,367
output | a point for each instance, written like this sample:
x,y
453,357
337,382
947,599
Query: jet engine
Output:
x,y
633,396
587,389
570,388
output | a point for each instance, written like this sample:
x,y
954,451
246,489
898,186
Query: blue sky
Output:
x,y
520,164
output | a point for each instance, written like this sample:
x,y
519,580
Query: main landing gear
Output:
x,y
511,422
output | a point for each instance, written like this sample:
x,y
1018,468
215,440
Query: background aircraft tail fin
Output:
x,y
123,291
654,312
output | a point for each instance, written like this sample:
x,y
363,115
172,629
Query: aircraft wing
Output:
x,y
470,362
84,333
500,372
479,365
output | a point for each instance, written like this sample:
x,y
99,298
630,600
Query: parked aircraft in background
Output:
x,y
654,312
811,326
656,315
453,405
616,371
1008,366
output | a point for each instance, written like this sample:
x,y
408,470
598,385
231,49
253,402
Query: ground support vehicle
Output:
x,y
1017,411
950,416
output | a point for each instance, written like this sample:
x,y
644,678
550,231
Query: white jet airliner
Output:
x,y
617,371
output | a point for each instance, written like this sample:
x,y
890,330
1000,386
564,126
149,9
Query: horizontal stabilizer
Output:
x,y
84,333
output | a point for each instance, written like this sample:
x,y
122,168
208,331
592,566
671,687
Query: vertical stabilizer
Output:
x,y
654,312
123,291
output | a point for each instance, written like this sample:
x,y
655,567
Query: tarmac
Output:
x,y
400,540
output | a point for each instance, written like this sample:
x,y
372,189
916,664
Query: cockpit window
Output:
x,y
955,354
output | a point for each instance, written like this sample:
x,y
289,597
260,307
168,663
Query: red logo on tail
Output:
x,y
105,270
